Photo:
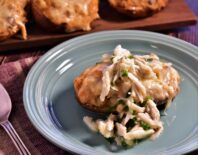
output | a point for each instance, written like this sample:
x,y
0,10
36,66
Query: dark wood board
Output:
x,y
176,14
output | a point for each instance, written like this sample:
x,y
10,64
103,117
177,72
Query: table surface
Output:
x,y
189,34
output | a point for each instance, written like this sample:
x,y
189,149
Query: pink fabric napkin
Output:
x,y
12,76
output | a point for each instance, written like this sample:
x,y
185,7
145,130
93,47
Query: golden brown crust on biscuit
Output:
x,y
12,18
87,96
41,19
138,8
69,15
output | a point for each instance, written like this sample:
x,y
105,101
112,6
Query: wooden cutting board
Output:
x,y
176,14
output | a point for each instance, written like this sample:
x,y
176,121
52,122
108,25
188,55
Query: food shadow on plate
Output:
x,y
68,115
65,109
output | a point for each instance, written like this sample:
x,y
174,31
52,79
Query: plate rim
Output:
x,y
191,51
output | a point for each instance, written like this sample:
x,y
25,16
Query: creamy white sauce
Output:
x,y
148,75
12,17
75,14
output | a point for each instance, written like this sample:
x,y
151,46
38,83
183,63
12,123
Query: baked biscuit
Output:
x,y
138,8
70,15
123,76
12,18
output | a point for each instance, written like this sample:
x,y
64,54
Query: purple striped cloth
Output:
x,y
12,76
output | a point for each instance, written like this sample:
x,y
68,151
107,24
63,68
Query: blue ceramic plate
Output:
x,y
51,105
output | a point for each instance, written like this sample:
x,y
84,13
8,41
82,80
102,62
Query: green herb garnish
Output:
x,y
124,73
124,145
149,98
136,141
134,112
149,59
143,104
121,101
112,108
110,140
126,108
130,56
144,125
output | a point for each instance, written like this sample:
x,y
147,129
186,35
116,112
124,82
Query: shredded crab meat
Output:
x,y
145,70
157,133
103,129
144,79
138,87
138,134
119,53
154,112
146,57
106,82
119,108
110,125
90,123
112,117
106,57
127,118
123,130
134,107
136,127
146,118
147,73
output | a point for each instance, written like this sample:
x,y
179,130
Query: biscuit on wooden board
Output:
x,y
54,15
138,8
13,16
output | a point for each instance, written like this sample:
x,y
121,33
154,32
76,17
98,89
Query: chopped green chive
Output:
x,y
136,141
148,98
124,73
132,100
112,108
120,101
110,140
131,57
126,108
149,59
144,125
143,104
124,145
134,113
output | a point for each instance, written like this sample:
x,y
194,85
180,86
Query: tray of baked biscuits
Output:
x,y
35,23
